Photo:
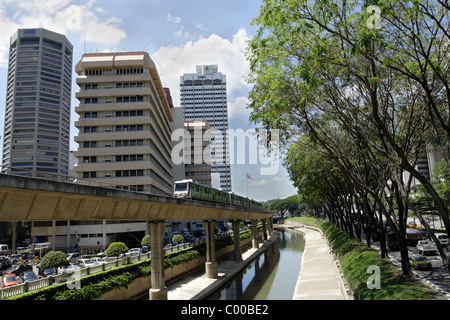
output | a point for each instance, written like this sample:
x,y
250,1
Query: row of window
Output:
x,y
118,143
132,113
138,127
100,72
118,99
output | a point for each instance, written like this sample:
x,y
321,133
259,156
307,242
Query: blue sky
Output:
x,y
177,34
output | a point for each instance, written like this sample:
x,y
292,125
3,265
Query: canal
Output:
x,y
272,276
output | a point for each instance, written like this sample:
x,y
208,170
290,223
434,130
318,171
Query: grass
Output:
x,y
361,265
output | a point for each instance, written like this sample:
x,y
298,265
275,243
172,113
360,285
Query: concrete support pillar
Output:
x,y
104,235
237,252
255,242
14,234
269,226
68,235
53,235
158,290
210,264
264,229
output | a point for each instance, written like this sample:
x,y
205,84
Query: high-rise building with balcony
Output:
x,y
124,123
203,96
38,98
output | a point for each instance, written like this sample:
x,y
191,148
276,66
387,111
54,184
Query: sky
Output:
x,y
178,35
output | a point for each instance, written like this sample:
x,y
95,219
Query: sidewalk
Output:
x,y
197,286
319,277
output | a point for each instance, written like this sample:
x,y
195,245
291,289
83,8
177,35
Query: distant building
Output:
x,y
203,96
38,100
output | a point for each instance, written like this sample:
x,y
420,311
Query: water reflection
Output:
x,y
272,276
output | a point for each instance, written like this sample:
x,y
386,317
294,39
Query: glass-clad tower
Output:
x,y
37,112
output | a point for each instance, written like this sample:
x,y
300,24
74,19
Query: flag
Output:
x,y
249,177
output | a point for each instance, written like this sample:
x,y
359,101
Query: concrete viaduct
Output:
x,y
35,199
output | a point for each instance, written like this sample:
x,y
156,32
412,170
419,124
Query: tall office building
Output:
x,y
37,112
203,96
124,125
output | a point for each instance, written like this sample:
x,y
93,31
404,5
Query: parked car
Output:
x,y
15,258
134,252
98,260
18,269
73,256
9,280
84,263
49,272
5,263
71,268
420,262
29,276
442,237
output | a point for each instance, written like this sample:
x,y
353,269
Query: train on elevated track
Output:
x,y
192,190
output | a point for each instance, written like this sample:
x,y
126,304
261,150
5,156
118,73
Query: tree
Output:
x,y
372,98
53,259
177,238
290,204
116,249
146,241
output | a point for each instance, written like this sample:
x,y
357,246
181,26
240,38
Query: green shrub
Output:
x,y
53,259
146,241
115,249
177,238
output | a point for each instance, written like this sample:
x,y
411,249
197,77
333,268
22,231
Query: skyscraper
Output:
x,y
124,123
37,112
203,96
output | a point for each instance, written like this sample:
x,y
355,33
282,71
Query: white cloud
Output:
x,y
258,183
173,19
173,61
238,107
82,21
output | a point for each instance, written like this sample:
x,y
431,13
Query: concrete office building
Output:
x,y
196,151
203,96
124,139
38,99
124,126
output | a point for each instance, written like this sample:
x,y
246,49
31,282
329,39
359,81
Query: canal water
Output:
x,y
272,276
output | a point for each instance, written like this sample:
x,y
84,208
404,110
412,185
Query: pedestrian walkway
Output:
x,y
198,286
319,277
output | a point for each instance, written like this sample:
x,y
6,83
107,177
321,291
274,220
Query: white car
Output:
x,y
71,268
442,237
86,263
134,252
98,260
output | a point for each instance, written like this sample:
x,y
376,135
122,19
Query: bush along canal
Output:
x,y
271,276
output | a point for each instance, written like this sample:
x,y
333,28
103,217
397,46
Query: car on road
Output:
x,y
84,263
15,258
49,272
18,269
29,276
134,252
5,263
71,268
98,260
420,262
442,237
73,256
9,280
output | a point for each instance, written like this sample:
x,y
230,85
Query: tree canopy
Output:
x,y
359,90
